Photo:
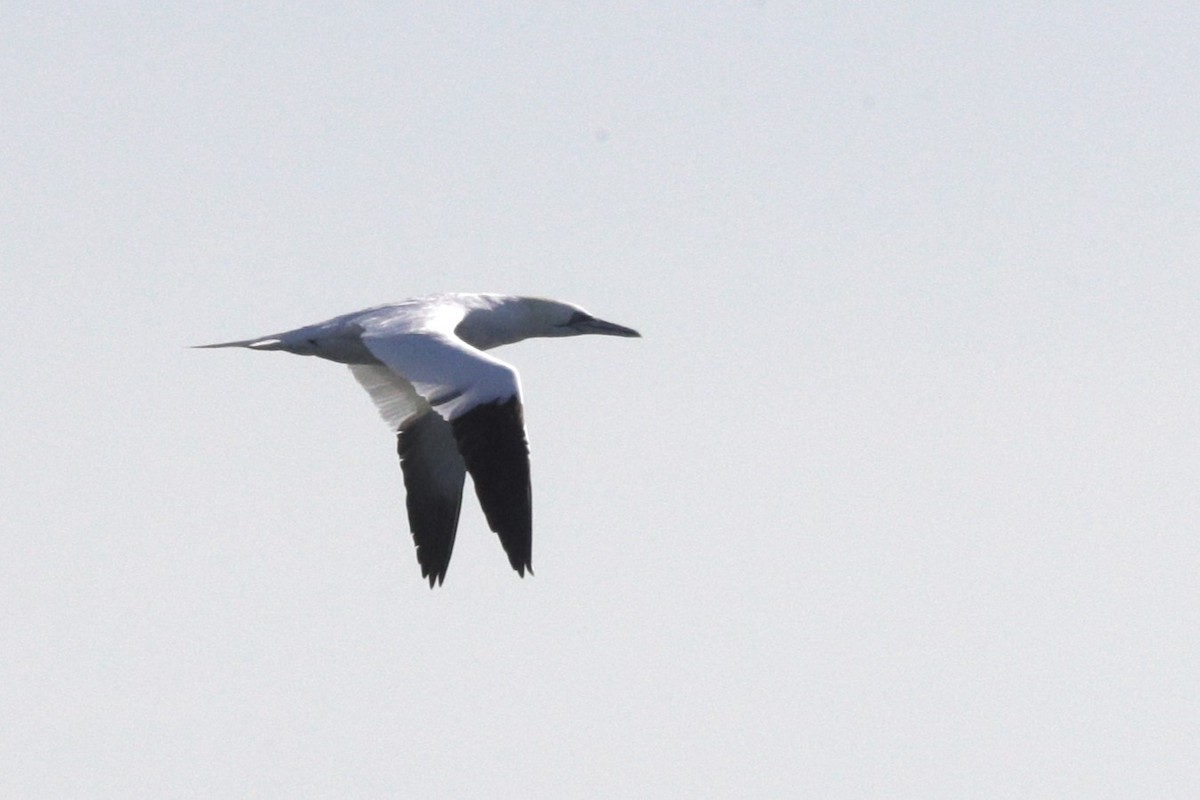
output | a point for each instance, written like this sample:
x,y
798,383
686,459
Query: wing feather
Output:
x,y
491,439
433,482
432,467
480,397
394,397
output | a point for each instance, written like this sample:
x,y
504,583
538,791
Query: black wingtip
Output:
x,y
521,566
425,444
491,439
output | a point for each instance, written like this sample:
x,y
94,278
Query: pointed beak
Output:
x,y
599,326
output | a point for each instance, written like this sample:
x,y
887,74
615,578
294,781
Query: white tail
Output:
x,y
262,343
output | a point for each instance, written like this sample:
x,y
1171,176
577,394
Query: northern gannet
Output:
x,y
454,408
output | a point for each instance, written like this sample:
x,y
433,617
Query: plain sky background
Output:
x,y
896,498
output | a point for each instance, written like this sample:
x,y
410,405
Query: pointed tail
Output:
x,y
261,343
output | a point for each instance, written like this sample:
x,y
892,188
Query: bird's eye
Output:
x,y
578,317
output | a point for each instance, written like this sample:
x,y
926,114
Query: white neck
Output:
x,y
493,320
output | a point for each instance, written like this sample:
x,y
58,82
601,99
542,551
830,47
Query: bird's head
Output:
x,y
552,318
502,319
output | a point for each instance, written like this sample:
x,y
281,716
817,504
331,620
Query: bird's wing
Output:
x,y
480,397
395,397
433,469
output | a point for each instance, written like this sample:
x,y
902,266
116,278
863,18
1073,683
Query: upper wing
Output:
x,y
480,397
433,469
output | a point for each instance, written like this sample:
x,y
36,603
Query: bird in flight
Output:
x,y
454,408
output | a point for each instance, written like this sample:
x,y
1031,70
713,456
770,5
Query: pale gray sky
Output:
x,y
896,498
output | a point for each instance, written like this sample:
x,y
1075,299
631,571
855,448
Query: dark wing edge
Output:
x,y
491,440
433,482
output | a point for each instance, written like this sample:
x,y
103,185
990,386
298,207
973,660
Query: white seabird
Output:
x,y
455,409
